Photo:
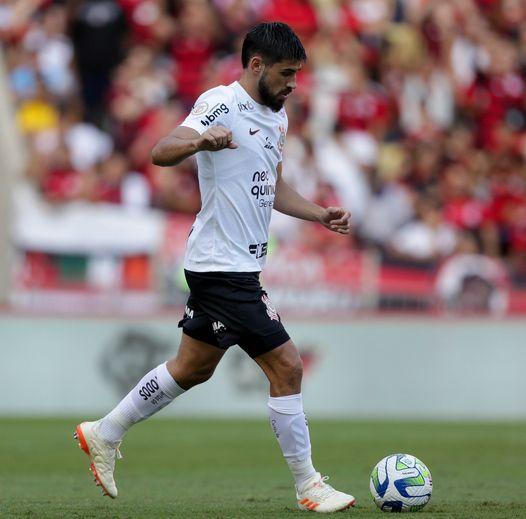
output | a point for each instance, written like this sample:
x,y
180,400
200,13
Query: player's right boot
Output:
x,y
319,496
102,456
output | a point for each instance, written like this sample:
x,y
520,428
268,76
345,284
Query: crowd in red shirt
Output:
x,y
412,113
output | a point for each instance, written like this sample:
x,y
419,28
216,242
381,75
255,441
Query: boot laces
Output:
x,y
323,490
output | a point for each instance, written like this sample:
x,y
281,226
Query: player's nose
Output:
x,y
292,83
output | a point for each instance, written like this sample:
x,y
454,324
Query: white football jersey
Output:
x,y
230,233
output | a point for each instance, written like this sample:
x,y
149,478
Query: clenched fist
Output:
x,y
215,139
336,219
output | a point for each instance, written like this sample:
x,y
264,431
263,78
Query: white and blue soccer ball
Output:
x,y
401,483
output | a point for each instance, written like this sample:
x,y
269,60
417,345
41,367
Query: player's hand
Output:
x,y
336,219
215,139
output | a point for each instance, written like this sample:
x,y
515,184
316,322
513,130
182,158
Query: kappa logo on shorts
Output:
x,y
271,311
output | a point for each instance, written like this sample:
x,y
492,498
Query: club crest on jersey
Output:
x,y
200,108
271,311
281,140
214,113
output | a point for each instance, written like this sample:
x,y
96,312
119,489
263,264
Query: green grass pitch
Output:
x,y
233,469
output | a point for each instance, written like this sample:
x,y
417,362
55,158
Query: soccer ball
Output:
x,y
401,483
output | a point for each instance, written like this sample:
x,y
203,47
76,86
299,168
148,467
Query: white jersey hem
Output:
x,y
210,267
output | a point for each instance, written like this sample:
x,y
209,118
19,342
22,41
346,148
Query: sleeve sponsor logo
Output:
x,y
214,113
200,108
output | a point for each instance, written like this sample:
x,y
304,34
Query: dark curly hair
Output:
x,y
274,41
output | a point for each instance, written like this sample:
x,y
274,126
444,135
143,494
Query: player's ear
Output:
x,y
256,64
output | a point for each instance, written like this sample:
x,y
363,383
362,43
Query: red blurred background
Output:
x,y
411,113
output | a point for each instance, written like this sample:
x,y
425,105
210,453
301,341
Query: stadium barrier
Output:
x,y
370,368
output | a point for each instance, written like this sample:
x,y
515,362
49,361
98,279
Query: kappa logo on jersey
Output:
x,y
258,249
218,327
245,107
271,311
214,113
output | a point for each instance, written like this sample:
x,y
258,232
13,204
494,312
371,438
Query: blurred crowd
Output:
x,y
411,113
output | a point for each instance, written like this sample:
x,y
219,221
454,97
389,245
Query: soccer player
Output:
x,y
238,132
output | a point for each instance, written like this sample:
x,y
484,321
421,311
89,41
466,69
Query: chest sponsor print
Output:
x,y
262,190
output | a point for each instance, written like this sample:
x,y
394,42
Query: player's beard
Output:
x,y
267,97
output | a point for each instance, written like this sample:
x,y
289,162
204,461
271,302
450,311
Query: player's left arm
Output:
x,y
288,201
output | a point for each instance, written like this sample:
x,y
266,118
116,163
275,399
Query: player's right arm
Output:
x,y
206,128
183,142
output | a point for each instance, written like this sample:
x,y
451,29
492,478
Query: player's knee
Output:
x,y
289,376
295,372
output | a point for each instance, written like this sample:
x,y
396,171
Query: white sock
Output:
x,y
153,392
289,423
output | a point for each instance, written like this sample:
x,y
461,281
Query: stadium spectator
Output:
x,y
426,239
400,102
98,30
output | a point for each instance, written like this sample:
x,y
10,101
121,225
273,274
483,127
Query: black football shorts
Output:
x,y
227,308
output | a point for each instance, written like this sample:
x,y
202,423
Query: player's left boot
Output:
x,y
319,496
102,456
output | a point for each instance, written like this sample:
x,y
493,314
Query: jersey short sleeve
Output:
x,y
212,108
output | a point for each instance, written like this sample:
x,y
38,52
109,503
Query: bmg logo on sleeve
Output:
x,y
214,113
